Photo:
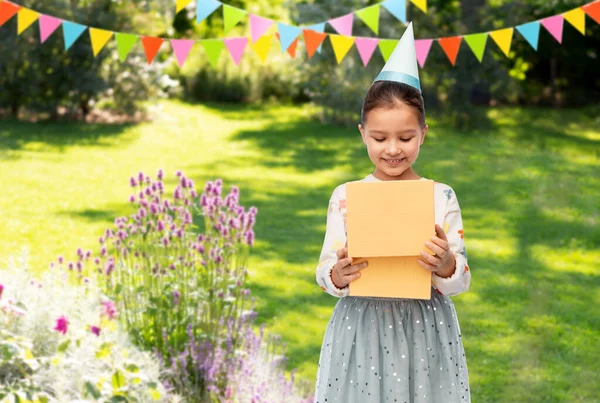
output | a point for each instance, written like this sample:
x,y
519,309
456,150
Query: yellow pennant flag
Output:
x,y
262,46
181,4
577,18
422,4
503,38
99,39
25,18
341,45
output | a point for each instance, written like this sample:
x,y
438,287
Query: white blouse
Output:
x,y
447,216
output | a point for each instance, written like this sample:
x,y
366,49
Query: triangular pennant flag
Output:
x,y
181,4
48,25
450,46
422,47
503,38
343,24
258,26
366,47
576,17
7,11
231,17
213,48
397,8
151,47
292,48
125,42
72,32
422,4
204,8
320,27
341,45
181,48
592,9
25,18
554,25
370,16
262,46
386,47
287,35
313,40
477,44
236,47
531,32
99,39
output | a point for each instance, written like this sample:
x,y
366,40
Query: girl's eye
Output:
x,y
379,140
406,140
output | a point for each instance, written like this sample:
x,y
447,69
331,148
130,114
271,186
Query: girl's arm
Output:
x,y
453,227
335,238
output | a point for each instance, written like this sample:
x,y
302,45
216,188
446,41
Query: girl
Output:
x,y
395,350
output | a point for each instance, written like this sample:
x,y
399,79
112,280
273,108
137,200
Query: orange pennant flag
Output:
x,y
592,9
313,40
292,49
450,46
7,11
151,47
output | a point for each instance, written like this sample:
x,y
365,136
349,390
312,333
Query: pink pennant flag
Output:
x,y
236,47
258,26
366,47
422,47
343,24
48,25
554,25
182,48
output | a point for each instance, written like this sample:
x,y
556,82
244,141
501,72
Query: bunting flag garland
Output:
x,y
204,8
503,38
25,18
397,8
289,35
422,4
366,47
181,4
48,25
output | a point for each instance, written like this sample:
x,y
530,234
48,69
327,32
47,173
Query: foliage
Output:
x,y
67,348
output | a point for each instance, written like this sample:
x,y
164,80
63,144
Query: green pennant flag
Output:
x,y
231,17
477,44
125,42
387,46
370,16
213,48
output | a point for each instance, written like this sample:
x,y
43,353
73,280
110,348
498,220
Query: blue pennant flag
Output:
x,y
397,8
320,27
204,8
72,32
287,35
531,32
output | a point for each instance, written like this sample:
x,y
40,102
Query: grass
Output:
x,y
527,180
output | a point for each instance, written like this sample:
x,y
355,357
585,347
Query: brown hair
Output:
x,y
384,94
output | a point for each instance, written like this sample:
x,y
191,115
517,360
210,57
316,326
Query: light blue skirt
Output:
x,y
393,350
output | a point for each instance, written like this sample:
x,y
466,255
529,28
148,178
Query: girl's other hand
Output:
x,y
443,262
344,272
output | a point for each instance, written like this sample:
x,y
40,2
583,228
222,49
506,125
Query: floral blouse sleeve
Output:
x,y
453,227
335,238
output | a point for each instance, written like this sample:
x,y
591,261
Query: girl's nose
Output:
x,y
393,148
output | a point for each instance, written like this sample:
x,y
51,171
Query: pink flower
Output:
x,y
62,325
1,290
95,330
160,174
109,309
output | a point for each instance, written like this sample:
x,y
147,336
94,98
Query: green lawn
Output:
x,y
528,182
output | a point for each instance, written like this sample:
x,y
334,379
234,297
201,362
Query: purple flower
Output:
x,y
160,226
193,194
148,191
101,240
62,325
142,212
132,199
166,241
95,330
200,238
141,195
200,249
61,259
79,267
148,180
132,182
109,309
52,265
179,173
178,194
141,176
103,251
1,290
161,174
70,265
250,237
79,252
97,261
179,233
176,297
88,254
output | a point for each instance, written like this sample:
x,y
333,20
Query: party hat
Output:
x,y
402,64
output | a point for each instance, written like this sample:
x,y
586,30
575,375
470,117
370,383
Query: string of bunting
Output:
x,y
341,44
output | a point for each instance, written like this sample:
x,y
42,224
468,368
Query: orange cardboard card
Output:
x,y
387,225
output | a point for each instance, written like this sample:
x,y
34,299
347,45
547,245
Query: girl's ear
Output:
x,y
424,133
363,135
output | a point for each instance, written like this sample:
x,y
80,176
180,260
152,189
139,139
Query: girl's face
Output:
x,y
393,137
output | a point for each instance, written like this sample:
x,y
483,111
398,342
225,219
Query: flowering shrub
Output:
x,y
58,344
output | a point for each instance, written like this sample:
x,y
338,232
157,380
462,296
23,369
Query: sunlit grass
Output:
x,y
527,181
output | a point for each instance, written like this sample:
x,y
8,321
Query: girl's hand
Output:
x,y
443,262
344,272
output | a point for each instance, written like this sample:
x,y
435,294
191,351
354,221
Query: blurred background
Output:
x,y
517,137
